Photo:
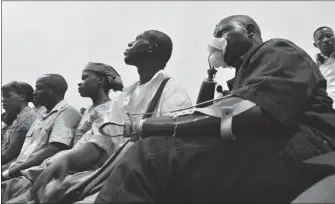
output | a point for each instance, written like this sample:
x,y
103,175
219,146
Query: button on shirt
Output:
x,y
56,126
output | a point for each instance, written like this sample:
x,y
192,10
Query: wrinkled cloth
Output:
x,y
287,85
136,98
112,75
56,126
14,187
85,131
22,122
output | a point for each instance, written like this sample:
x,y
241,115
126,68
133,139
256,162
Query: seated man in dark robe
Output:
x,y
243,148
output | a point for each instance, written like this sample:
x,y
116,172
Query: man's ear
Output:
x,y
315,45
101,79
153,48
250,30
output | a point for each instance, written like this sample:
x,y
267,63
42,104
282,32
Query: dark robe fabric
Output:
x,y
285,82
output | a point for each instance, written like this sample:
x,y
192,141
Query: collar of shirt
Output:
x,y
161,74
127,97
59,106
326,59
26,109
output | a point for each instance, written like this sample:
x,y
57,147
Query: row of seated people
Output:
x,y
151,145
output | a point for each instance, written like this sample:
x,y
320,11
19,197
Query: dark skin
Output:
x,y
241,35
141,55
48,97
92,87
324,40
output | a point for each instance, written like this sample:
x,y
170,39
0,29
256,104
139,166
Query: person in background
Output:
x,y
50,133
324,40
96,81
19,116
149,53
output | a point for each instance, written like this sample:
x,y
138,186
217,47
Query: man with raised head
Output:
x,y
149,53
243,148
51,132
324,40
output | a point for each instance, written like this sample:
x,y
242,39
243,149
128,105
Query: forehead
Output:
x,y
88,73
226,24
43,81
145,35
8,92
324,31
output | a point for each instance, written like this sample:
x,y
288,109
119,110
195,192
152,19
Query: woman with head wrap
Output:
x,y
97,80
15,99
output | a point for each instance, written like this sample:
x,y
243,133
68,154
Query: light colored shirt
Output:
x,y
104,113
88,126
56,126
327,69
22,122
91,115
136,98
40,110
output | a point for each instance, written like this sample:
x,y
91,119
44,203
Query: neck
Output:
x,y
23,106
99,98
50,106
147,71
328,54
19,109
255,43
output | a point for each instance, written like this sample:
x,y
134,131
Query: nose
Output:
x,y
79,84
131,44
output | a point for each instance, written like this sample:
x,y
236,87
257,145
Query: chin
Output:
x,y
83,95
128,61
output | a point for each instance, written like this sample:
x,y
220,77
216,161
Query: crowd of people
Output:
x,y
151,144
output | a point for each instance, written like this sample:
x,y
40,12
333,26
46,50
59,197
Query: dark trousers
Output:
x,y
207,169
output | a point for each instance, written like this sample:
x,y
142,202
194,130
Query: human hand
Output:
x,y
133,129
57,170
211,73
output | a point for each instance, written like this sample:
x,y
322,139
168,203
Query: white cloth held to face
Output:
x,y
217,51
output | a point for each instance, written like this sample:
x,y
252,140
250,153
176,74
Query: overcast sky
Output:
x,y
61,37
